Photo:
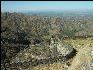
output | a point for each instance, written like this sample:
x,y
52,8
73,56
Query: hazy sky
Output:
x,y
22,6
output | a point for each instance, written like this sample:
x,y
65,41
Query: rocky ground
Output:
x,y
82,61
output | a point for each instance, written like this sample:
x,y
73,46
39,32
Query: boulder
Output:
x,y
59,47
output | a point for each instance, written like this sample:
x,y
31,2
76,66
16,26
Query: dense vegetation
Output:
x,y
19,30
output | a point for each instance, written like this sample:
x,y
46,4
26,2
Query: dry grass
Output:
x,y
81,58
79,43
83,55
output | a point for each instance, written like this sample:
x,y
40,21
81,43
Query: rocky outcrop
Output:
x,y
56,51
60,48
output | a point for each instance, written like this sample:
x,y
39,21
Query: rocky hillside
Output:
x,y
19,31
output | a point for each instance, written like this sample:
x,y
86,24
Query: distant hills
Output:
x,y
61,13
